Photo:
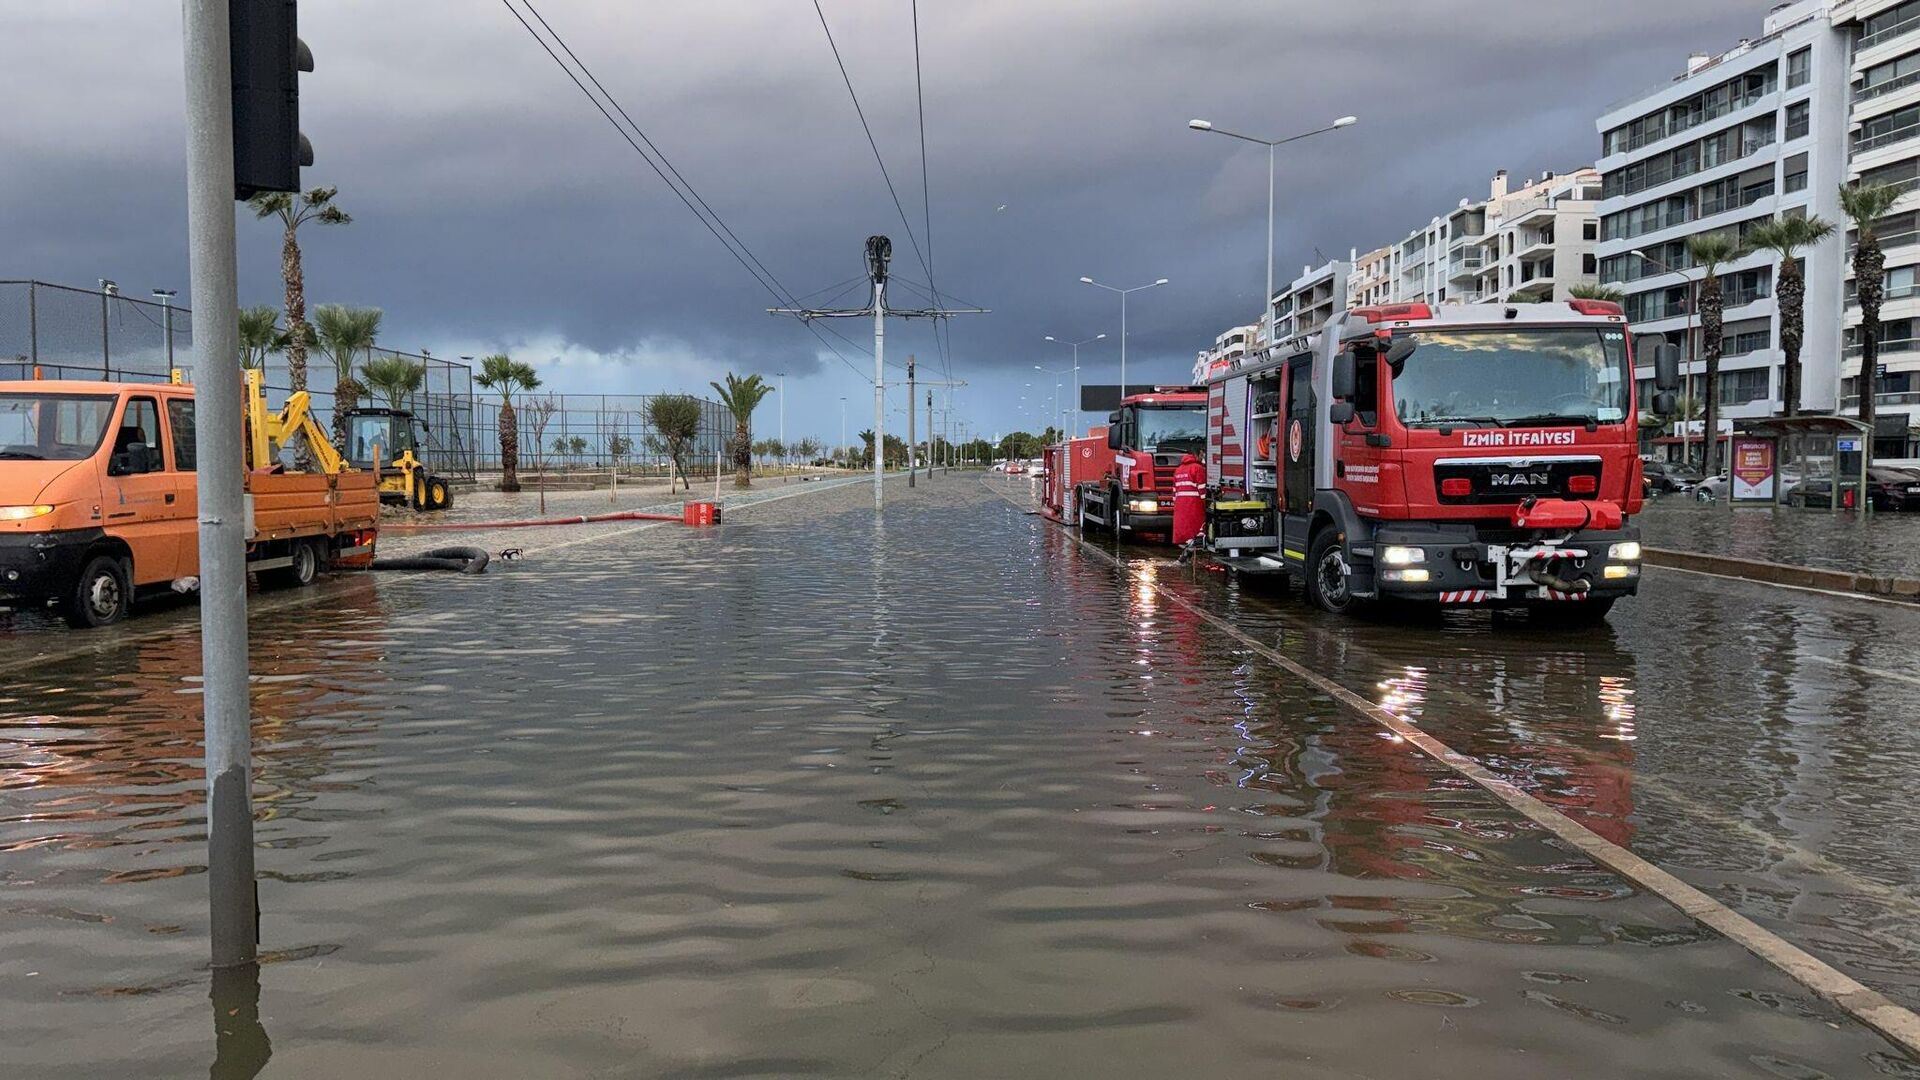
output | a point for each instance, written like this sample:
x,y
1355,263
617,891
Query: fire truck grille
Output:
x,y
1510,481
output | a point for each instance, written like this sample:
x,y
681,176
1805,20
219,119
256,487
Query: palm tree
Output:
x,y
1785,237
1710,251
345,334
676,420
1584,291
294,211
260,335
1865,205
395,377
741,397
505,375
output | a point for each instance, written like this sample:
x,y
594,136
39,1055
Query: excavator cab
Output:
x,y
391,443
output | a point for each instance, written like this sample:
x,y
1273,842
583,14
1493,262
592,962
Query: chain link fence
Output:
x,y
62,332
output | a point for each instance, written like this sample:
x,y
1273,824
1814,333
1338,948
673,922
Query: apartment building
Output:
x,y
1374,276
1729,143
1531,242
1305,305
1227,350
1883,114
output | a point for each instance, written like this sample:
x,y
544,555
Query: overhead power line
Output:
x,y
942,335
662,166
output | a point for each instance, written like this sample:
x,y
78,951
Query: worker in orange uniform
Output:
x,y
1189,504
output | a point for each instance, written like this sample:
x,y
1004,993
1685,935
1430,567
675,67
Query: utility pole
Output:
x,y
108,290
910,400
783,418
166,300
843,426
879,254
233,901
929,436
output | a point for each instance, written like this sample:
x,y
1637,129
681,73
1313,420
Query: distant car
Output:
x,y
1667,477
1887,489
999,466
1016,468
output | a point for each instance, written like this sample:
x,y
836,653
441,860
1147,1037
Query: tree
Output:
x,y
294,211
394,378
539,415
1584,291
260,335
741,397
1785,237
675,419
344,334
866,453
505,375
1865,205
1710,251
577,445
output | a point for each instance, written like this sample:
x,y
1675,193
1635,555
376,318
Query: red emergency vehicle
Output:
x,y
1123,481
1456,455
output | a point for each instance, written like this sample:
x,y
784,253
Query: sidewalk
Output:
x,y
1881,545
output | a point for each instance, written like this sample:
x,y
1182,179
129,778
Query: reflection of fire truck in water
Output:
x,y
1120,478
1454,455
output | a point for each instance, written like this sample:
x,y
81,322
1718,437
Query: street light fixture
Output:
x,y
1073,429
1207,125
1123,321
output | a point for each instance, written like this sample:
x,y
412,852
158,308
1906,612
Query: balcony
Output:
x,y
1466,266
1885,87
1886,138
1890,33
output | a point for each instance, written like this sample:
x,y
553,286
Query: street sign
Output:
x,y
1847,446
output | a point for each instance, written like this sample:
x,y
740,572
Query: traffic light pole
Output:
x,y
233,905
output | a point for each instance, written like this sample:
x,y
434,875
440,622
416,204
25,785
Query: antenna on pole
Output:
x,y
879,253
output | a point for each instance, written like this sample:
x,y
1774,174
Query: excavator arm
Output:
x,y
268,432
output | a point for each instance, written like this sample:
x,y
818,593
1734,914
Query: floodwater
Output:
x,y
1882,542
942,795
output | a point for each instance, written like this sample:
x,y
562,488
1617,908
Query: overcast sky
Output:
x,y
496,210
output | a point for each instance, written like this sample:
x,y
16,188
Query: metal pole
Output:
x,y
783,415
929,435
233,900
1073,431
879,386
843,426
106,346
1266,298
910,401
33,321
1123,346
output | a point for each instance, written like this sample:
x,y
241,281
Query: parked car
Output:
x,y
1667,476
1887,489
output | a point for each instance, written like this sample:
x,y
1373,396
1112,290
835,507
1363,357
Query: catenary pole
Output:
x,y
929,436
232,900
879,386
911,398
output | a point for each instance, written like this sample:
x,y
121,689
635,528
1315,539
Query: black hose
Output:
x,y
464,560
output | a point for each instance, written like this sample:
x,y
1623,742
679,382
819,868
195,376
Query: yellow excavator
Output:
x,y
382,441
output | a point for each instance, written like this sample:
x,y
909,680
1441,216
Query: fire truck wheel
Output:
x,y
1328,583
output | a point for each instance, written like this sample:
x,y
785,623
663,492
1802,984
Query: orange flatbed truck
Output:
x,y
98,501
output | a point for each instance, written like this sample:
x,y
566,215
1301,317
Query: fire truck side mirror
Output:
x,y
1665,404
1344,375
1666,366
1340,412
1402,348
1114,437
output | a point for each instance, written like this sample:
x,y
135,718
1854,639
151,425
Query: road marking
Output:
x,y
1863,1003
1839,593
1878,673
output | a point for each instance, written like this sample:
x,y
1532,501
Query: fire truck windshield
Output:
x,y
1169,429
1519,377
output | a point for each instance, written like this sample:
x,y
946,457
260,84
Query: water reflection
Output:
x,y
241,1046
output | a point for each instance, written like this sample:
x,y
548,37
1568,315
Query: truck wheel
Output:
x,y
304,571
100,596
1329,585
439,495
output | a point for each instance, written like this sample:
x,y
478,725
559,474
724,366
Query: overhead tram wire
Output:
x,y
689,197
926,199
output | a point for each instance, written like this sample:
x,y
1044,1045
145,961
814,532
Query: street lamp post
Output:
x,y
843,428
1207,125
165,296
1073,429
1123,321
1693,305
785,456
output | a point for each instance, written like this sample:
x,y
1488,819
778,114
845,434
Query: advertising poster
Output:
x,y
1753,470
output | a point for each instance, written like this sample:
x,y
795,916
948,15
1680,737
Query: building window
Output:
x,y
1744,342
1799,68
1889,24
1882,79
1590,230
1894,127
1799,120
1740,387
1589,264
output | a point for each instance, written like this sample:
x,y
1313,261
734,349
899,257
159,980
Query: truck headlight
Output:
x,y
1144,506
1411,577
1616,573
1396,555
23,513
1625,551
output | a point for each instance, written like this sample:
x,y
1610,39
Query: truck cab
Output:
x,y
1146,438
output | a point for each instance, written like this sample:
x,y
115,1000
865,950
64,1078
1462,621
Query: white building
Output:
x,y
1733,141
1882,88
1374,277
1305,305
1533,242
1227,350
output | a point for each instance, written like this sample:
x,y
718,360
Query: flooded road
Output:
x,y
943,795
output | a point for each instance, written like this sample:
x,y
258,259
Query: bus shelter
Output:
x,y
1767,456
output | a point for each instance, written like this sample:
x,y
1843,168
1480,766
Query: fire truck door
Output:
x,y
1296,439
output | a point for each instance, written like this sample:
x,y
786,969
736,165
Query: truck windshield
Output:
x,y
1514,377
1173,428
52,427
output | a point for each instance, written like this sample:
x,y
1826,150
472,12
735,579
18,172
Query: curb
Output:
x,y
1799,577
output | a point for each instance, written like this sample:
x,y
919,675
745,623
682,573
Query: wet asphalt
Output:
x,y
943,794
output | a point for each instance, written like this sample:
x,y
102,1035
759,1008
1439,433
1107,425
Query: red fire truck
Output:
x,y
1454,455
1124,481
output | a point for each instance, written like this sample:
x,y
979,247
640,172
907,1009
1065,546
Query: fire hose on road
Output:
x,y
464,560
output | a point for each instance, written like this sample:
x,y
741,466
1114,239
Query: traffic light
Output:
x,y
268,57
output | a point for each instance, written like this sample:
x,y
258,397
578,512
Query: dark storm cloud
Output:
x,y
496,209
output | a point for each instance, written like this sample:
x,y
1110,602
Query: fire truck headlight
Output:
x,y
1395,555
1144,506
1625,551
1410,577
1615,573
